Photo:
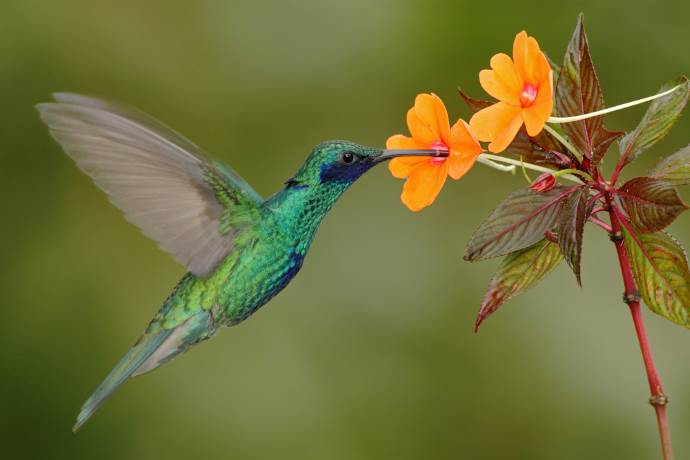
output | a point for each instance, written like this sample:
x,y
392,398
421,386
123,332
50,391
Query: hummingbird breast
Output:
x,y
259,273
257,269
262,262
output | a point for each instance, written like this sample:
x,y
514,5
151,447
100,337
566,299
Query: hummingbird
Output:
x,y
238,248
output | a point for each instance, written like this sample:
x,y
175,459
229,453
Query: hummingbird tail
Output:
x,y
122,371
149,352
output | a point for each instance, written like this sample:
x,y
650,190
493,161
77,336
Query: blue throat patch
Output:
x,y
343,173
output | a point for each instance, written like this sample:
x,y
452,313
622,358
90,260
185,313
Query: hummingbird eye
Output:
x,y
347,157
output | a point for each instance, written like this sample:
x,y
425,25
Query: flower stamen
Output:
x,y
528,95
438,145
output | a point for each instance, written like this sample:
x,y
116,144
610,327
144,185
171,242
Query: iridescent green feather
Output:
x,y
239,249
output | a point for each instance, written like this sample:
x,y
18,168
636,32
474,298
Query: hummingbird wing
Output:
x,y
194,208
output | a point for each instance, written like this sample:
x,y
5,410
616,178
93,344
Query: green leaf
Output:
x,y
657,121
578,92
571,226
518,272
651,204
674,169
661,271
518,222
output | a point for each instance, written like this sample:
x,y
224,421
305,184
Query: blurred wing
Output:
x,y
192,207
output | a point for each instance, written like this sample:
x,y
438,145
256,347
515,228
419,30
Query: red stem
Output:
x,y
622,161
658,399
601,223
617,172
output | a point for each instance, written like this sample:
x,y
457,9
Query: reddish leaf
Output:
x,y
541,149
662,274
675,169
604,141
571,226
578,92
660,117
651,204
518,272
518,222
546,142
475,105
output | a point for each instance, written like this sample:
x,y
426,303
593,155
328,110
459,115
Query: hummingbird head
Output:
x,y
329,170
338,164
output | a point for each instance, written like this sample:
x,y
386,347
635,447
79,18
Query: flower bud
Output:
x,y
543,183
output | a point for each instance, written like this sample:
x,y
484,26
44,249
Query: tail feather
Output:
x,y
127,366
152,350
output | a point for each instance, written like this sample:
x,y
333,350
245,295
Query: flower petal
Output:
x,y
498,124
525,51
530,61
423,185
535,117
520,51
511,125
488,122
401,167
462,139
428,119
464,150
398,141
542,72
460,163
442,118
502,82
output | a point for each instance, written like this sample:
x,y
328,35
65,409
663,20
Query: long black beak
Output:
x,y
388,154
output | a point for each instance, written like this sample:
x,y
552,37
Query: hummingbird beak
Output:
x,y
388,154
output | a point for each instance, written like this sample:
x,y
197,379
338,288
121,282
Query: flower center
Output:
x,y
528,95
438,145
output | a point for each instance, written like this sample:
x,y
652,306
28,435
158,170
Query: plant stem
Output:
x,y
493,164
524,171
601,223
576,172
563,141
522,164
658,399
611,109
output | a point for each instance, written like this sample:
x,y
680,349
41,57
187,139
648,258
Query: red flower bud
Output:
x,y
543,183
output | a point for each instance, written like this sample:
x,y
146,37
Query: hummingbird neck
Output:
x,y
299,209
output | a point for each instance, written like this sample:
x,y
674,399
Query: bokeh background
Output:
x,y
369,353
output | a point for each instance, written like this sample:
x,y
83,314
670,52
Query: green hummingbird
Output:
x,y
240,250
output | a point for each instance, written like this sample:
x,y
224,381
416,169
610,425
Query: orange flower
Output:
x,y
430,129
524,87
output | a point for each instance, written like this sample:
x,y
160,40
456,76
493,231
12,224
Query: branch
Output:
x,y
658,399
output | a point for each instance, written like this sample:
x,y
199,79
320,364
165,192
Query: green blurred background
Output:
x,y
369,353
